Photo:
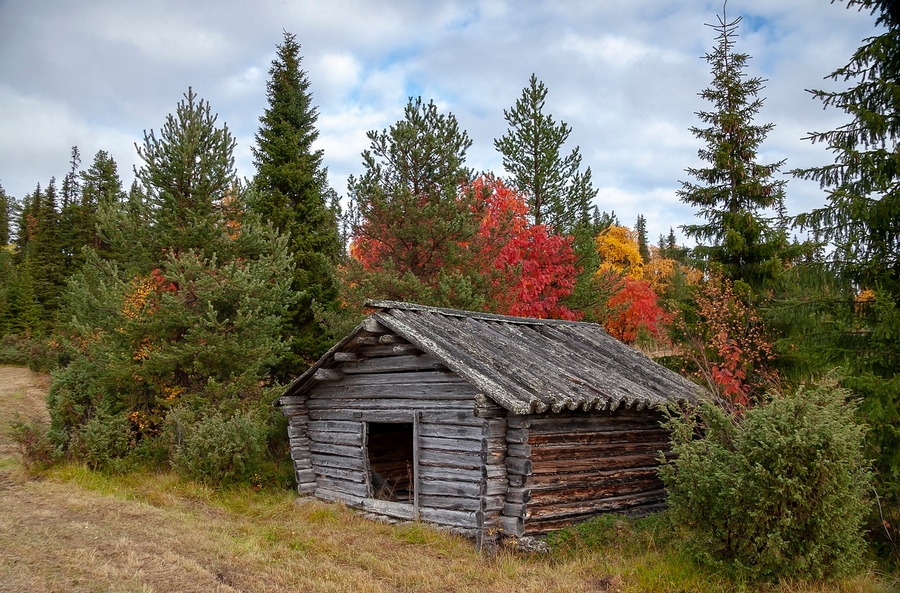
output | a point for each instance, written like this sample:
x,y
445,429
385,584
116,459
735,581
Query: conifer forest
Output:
x,y
172,309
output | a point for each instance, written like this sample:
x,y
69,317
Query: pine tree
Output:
x,y
292,192
734,193
193,320
559,193
408,197
858,322
101,188
44,259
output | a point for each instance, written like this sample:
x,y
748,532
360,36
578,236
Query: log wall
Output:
x,y
566,468
382,378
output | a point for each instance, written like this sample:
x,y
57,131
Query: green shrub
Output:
x,y
105,442
217,449
777,492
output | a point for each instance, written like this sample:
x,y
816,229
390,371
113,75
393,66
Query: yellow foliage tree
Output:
x,y
619,252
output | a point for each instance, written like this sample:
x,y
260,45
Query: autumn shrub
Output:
x,y
218,449
776,492
35,442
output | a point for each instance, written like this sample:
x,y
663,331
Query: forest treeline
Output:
x,y
173,311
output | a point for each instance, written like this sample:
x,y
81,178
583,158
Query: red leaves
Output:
x,y
638,311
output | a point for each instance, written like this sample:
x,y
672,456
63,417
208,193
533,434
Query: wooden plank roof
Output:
x,y
527,365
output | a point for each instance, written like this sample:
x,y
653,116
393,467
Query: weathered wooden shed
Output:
x,y
484,423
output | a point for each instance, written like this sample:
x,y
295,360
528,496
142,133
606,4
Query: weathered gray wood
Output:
x,y
460,474
429,416
518,421
416,444
513,526
337,450
334,425
391,339
328,375
295,400
433,429
305,475
409,378
433,391
453,503
346,356
518,495
459,445
388,350
347,487
355,463
391,364
519,465
348,475
517,435
350,439
518,450
444,459
371,325
301,459
449,517
393,405
450,488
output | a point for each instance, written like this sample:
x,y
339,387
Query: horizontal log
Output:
x,y
328,375
301,462
292,400
618,476
433,472
355,463
431,429
392,364
346,356
518,450
336,450
517,480
449,488
432,415
491,504
453,503
595,464
345,486
334,425
591,423
291,411
569,494
465,519
388,350
429,391
412,377
460,445
299,420
609,436
393,405
595,450
349,475
444,459
352,439
576,509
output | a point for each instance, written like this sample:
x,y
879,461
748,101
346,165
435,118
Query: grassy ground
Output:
x,y
70,529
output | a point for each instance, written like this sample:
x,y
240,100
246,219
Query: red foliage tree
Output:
x,y
637,312
516,267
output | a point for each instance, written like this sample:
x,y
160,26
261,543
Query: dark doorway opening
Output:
x,y
390,460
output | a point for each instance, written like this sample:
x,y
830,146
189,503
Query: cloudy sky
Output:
x,y
624,74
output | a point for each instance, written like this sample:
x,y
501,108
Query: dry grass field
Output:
x,y
70,529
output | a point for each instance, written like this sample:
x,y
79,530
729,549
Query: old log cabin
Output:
x,y
484,423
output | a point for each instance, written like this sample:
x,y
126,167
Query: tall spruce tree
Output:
x,y
101,187
292,192
7,215
857,323
735,194
559,193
